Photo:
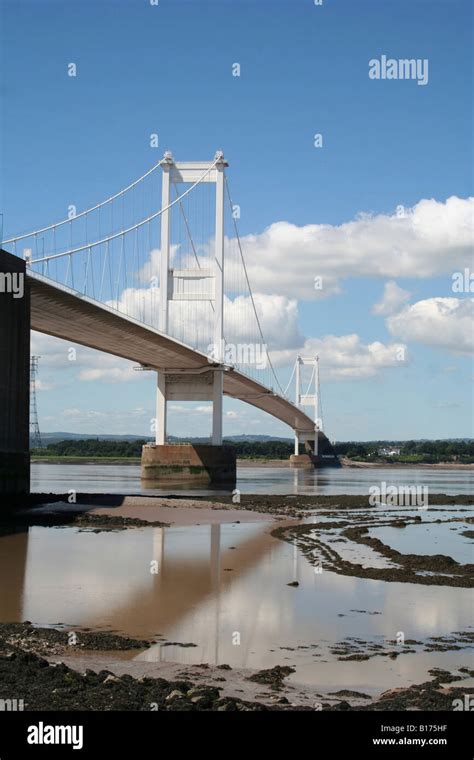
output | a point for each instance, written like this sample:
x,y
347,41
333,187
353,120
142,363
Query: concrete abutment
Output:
x,y
14,380
187,463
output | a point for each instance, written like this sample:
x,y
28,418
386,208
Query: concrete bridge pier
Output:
x,y
318,452
303,458
14,380
188,463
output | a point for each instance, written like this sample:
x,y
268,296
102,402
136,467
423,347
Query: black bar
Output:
x,y
321,734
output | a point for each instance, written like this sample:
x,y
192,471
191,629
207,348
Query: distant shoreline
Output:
x,y
270,463
401,465
85,460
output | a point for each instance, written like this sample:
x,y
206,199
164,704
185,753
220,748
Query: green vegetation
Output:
x,y
93,448
410,452
262,449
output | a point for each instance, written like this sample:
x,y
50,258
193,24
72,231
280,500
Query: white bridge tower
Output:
x,y
204,383
309,398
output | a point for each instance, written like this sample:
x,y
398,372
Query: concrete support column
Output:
x,y
217,398
297,401
14,378
160,433
165,248
219,264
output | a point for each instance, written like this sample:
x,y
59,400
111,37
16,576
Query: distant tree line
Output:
x,y
93,447
410,451
262,449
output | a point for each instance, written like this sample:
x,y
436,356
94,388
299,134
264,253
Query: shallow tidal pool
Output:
x,y
218,594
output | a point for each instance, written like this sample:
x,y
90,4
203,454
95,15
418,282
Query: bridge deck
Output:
x,y
64,313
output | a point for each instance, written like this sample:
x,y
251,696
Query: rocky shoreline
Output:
x,y
36,665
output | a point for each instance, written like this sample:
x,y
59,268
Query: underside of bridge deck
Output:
x,y
64,313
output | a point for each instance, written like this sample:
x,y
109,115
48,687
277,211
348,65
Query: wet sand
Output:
x,y
237,688
151,509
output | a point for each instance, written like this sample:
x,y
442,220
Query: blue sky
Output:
x,y
304,70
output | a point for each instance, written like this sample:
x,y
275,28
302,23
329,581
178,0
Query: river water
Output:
x,y
125,478
222,588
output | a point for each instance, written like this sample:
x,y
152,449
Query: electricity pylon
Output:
x,y
35,435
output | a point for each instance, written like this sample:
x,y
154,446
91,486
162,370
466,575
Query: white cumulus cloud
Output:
x,y
430,239
346,356
110,374
445,323
392,300
192,322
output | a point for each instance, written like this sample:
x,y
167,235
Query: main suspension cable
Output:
x,y
249,287
86,246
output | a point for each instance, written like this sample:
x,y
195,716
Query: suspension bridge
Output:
x,y
156,274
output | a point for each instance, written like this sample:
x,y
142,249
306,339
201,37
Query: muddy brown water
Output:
x,y
125,478
223,588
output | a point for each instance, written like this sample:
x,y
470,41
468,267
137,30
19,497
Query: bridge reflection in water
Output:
x,y
107,581
205,592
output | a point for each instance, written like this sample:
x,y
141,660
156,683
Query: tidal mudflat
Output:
x,y
273,603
